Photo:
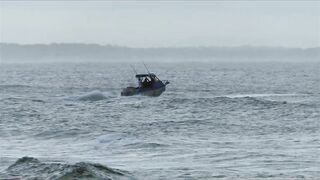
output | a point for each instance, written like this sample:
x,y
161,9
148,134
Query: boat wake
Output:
x,y
92,96
259,95
32,168
233,102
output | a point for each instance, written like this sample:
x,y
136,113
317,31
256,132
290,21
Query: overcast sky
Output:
x,y
162,23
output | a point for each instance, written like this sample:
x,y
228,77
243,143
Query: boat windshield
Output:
x,y
146,81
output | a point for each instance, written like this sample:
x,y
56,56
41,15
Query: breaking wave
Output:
x,y
230,101
258,95
31,168
92,96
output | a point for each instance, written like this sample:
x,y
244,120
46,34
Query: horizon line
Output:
x,y
159,47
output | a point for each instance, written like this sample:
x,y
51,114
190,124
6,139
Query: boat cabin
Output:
x,y
147,80
149,85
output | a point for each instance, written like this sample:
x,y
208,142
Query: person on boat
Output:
x,y
151,82
145,83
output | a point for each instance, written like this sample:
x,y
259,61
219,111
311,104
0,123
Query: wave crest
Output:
x,y
32,168
92,96
229,101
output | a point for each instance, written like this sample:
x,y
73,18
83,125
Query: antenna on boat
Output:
x,y
134,70
146,67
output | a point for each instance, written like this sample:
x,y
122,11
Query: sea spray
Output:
x,y
92,96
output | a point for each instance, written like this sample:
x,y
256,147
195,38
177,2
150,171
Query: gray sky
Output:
x,y
162,23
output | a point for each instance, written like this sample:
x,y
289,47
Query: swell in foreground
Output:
x,y
32,168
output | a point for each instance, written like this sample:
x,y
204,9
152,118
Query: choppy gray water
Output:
x,y
214,121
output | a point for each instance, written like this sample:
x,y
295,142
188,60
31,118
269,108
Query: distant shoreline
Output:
x,y
95,52
156,47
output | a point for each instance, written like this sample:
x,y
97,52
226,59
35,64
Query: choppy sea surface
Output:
x,y
215,120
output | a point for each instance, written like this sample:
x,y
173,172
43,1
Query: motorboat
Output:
x,y
148,85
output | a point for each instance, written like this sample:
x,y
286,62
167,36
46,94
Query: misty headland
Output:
x,y
78,52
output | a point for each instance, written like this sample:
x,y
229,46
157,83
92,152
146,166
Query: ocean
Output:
x,y
215,120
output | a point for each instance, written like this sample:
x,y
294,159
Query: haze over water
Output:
x,y
162,23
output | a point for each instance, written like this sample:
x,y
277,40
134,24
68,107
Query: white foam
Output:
x,y
92,96
257,95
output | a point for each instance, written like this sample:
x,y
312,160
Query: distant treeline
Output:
x,y
95,52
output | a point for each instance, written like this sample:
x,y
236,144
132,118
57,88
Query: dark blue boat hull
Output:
x,y
156,90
